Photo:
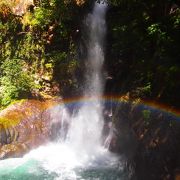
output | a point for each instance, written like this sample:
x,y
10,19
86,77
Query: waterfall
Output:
x,y
86,128
96,27
79,152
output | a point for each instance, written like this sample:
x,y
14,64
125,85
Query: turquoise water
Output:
x,y
26,171
91,174
32,170
62,162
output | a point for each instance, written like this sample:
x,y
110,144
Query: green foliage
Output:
x,y
143,48
155,31
14,81
39,47
40,18
35,48
146,115
64,67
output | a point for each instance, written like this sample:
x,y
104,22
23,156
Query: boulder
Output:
x,y
25,125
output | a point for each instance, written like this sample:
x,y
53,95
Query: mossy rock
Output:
x,y
6,123
24,122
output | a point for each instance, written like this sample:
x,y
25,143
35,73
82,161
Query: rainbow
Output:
x,y
120,99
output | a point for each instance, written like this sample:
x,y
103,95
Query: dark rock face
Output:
x,y
149,139
24,126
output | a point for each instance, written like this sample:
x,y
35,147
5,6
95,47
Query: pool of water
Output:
x,y
58,162
32,170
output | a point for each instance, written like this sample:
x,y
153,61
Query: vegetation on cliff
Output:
x,y
143,49
39,48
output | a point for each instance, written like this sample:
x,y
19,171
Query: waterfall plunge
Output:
x,y
86,128
81,147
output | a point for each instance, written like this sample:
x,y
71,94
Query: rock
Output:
x,y
8,137
177,174
25,125
152,149
21,6
3,138
13,150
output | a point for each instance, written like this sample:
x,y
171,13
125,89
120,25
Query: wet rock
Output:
x,y
25,125
13,150
150,143
124,142
3,137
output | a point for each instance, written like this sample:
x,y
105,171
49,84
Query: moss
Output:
x,y
8,122
12,118
18,101
14,102
22,109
